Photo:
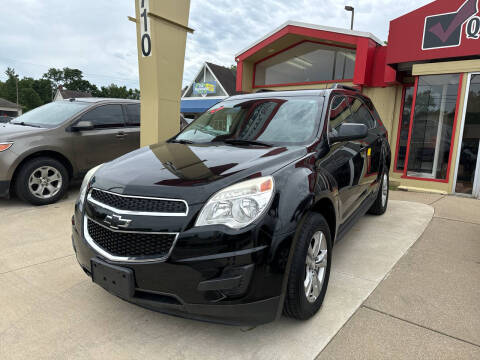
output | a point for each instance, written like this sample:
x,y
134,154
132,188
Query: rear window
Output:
x,y
133,114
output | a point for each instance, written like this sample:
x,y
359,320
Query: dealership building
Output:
x,y
424,82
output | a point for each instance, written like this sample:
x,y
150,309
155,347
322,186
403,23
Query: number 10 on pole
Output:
x,y
145,35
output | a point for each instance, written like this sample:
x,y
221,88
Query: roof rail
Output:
x,y
345,87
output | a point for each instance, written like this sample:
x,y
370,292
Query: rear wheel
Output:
x,y
310,269
42,181
381,203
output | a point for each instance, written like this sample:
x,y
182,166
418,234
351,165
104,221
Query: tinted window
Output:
x,y
287,120
361,114
133,114
339,112
105,116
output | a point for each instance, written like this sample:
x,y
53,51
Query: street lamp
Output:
x,y
352,9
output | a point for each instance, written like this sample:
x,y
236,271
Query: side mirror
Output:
x,y
83,125
348,132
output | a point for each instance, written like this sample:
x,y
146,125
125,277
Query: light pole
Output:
x,y
352,9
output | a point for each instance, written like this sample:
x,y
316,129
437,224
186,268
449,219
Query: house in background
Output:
x,y
63,94
8,108
212,84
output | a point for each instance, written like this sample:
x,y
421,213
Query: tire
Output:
x,y
41,173
381,202
297,304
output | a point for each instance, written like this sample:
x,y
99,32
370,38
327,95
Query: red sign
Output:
x,y
442,29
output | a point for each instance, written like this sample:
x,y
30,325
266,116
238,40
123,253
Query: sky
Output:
x,y
96,37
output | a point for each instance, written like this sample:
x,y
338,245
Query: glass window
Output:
x,y
361,114
286,120
52,114
432,127
133,114
105,116
339,112
404,127
306,62
467,166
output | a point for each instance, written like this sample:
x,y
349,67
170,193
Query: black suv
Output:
x,y
234,219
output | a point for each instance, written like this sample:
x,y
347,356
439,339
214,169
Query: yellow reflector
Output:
x,y
369,152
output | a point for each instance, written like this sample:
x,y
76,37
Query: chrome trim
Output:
x,y
111,257
137,213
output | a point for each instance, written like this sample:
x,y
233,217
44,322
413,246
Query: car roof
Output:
x,y
102,100
270,94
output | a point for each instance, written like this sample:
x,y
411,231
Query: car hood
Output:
x,y
11,131
190,172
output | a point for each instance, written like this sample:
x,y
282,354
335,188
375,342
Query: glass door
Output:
x,y
432,128
468,166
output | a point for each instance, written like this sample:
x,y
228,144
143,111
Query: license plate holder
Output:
x,y
117,280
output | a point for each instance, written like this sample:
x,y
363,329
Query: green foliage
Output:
x,y
36,92
120,92
29,99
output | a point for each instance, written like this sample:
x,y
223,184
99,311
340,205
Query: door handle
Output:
x,y
121,134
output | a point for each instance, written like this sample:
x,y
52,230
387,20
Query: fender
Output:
x,y
32,151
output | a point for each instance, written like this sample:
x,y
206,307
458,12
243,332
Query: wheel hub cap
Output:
x,y
315,266
45,182
384,189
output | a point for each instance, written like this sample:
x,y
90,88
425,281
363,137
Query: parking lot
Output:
x,y
51,309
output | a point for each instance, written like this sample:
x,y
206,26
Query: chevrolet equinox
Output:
x,y
233,220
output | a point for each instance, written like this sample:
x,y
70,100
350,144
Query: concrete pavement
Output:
x,y
429,305
50,309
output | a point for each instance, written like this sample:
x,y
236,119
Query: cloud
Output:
x,y
96,37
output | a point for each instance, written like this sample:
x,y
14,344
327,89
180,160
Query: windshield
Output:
x,y
276,121
51,115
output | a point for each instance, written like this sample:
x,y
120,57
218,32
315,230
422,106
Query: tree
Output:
x,y
29,99
55,76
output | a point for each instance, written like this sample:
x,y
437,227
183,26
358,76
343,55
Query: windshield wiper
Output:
x,y
246,142
181,141
21,123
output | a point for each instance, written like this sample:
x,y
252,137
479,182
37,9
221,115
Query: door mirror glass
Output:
x,y
83,125
348,132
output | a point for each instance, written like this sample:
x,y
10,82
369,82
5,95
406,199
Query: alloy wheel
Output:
x,y
315,266
384,190
45,182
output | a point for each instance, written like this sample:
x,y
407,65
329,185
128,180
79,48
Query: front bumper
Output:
x,y
201,280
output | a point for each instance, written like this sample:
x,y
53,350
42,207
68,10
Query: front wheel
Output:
x,y
310,269
42,181
380,205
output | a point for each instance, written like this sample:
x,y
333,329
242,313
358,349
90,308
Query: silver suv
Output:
x,y
42,151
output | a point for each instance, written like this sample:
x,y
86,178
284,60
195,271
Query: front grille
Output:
x,y
138,204
128,244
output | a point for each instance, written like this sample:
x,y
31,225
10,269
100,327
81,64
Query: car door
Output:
x,y
105,142
343,161
132,130
369,148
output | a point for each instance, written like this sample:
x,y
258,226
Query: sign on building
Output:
x,y
145,29
204,88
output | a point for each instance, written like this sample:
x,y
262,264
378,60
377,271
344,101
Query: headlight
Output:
x,y
5,146
84,187
239,205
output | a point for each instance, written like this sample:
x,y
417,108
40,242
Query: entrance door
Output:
x,y
468,166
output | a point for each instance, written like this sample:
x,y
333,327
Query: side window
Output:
x,y
361,114
106,116
133,114
339,112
